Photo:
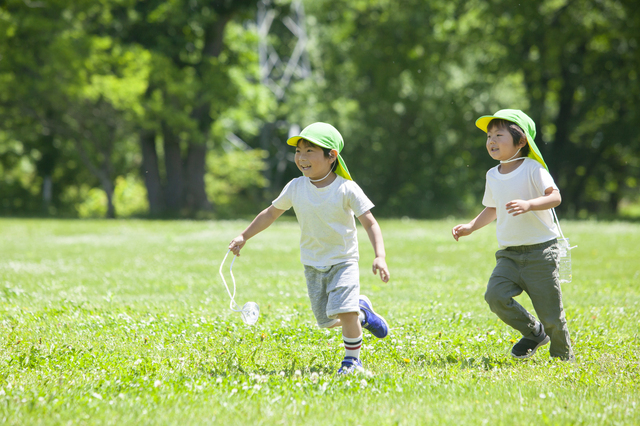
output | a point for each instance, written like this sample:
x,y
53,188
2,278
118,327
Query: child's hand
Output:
x,y
236,244
461,231
380,264
518,207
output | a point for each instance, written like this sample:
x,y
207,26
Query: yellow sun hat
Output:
x,y
325,136
521,119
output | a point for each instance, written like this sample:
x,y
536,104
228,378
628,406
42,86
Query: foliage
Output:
x,y
579,71
234,180
90,91
127,322
67,102
129,199
18,177
420,73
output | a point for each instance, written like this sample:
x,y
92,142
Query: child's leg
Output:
x,y
318,296
544,290
351,334
502,288
334,293
350,324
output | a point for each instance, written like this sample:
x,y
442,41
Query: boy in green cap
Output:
x,y
520,194
325,200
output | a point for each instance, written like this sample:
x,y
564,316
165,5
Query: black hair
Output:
x,y
516,133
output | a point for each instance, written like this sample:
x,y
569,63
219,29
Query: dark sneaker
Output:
x,y
525,348
372,321
351,365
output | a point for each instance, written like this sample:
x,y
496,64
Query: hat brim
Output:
x,y
534,153
341,168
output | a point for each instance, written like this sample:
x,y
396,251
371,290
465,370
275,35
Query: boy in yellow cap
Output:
x,y
520,194
325,200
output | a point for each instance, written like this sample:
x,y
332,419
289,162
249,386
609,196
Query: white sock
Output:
x,y
352,346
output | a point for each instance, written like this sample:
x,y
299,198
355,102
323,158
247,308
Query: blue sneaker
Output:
x,y
372,321
351,365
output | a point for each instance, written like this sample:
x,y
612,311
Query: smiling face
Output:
x,y
500,143
312,160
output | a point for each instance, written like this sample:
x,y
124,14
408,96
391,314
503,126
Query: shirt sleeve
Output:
x,y
284,200
542,180
358,201
487,199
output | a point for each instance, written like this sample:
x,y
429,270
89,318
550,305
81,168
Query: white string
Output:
x,y
232,296
250,311
555,216
511,160
557,222
319,180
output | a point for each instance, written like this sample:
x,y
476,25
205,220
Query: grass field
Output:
x,y
127,323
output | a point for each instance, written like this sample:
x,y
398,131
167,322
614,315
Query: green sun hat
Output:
x,y
325,136
521,119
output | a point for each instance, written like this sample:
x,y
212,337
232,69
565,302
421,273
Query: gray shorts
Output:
x,y
333,290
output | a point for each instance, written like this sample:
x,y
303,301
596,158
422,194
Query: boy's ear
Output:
x,y
523,142
334,154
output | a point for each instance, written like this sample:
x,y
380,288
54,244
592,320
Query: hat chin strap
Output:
x,y
512,159
321,179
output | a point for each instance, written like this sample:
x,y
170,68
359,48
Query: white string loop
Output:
x,y
555,216
250,311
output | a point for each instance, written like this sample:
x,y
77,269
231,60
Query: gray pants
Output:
x,y
533,269
333,290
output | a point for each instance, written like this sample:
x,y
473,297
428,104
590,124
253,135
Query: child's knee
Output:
x,y
329,324
495,298
491,296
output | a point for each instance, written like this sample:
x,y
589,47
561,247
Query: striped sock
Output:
x,y
352,346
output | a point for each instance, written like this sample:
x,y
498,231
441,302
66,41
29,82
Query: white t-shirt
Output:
x,y
529,180
326,218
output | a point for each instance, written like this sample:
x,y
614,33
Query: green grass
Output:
x,y
127,322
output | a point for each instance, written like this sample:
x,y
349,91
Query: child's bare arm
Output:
x,y
485,217
549,200
375,236
262,221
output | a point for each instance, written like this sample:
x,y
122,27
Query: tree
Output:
x,y
49,93
188,87
578,61
393,79
405,82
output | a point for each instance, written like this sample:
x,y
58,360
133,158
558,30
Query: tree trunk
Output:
x,y
173,164
47,192
46,167
151,173
195,170
108,189
196,195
